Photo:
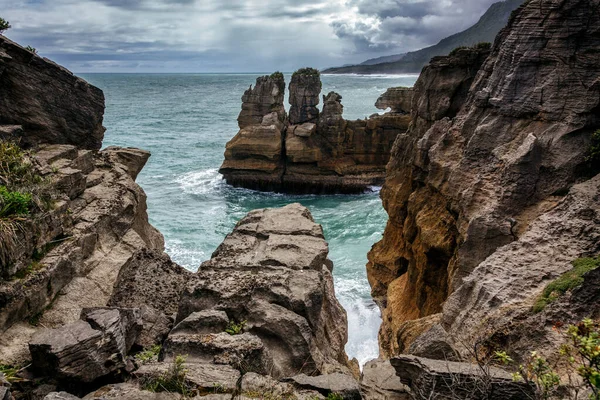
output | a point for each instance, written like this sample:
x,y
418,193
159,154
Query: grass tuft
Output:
x,y
567,281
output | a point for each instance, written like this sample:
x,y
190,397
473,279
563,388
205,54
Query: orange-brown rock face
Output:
x,y
312,152
491,144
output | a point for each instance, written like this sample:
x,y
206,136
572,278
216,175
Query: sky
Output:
x,y
230,35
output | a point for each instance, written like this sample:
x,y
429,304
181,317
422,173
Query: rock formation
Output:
x,y
41,102
475,191
265,98
311,152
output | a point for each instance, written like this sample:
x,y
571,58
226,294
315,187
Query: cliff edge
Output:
x,y
496,150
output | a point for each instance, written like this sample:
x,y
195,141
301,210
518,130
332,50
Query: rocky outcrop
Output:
x,y
452,380
88,349
312,152
97,223
489,153
398,100
305,89
41,102
265,98
271,277
379,382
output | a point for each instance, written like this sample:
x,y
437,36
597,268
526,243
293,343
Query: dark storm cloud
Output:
x,y
408,24
230,35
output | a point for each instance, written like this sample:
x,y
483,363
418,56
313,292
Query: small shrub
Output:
x,y
483,46
456,50
567,281
235,328
150,354
171,381
4,25
31,49
13,203
278,76
538,372
307,71
335,396
583,352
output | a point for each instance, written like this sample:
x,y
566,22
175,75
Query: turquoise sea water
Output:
x,y
185,121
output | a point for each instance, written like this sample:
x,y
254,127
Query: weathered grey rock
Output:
x,y
205,378
304,130
132,159
244,351
152,280
60,396
208,321
265,98
305,89
86,350
342,384
5,393
451,380
434,344
272,271
129,391
48,101
380,382
398,99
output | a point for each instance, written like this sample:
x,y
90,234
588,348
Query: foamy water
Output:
x,y
185,121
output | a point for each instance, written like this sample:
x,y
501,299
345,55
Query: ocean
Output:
x,y
185,120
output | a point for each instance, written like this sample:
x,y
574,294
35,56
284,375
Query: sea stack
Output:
x,y
309,151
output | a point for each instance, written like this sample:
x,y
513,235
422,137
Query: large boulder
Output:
x,y
89,349
152,282
48,102
271,275
380,382
454,380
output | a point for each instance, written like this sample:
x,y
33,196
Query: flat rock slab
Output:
x,y
204,377
336,383
444,379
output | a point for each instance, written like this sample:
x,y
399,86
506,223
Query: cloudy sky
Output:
x,y
230,35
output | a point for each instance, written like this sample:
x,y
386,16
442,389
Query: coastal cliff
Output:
x,y
486,193
309,151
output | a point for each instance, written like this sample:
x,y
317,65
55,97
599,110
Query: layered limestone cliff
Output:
x,y
479,221
309,151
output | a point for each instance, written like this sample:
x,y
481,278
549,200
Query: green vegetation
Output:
x,y
4,25
31,49
278,76
580,355
334,396
172,381
583,353
307,72
456,50
479,46
13,203
22,192
567,281
235,328
10,373
147,355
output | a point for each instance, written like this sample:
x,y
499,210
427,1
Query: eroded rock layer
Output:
x,y
42,102
312,151
493,146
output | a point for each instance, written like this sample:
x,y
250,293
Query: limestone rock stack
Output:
x,y
312,152
494,147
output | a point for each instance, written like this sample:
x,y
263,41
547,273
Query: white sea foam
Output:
x,y
200,182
